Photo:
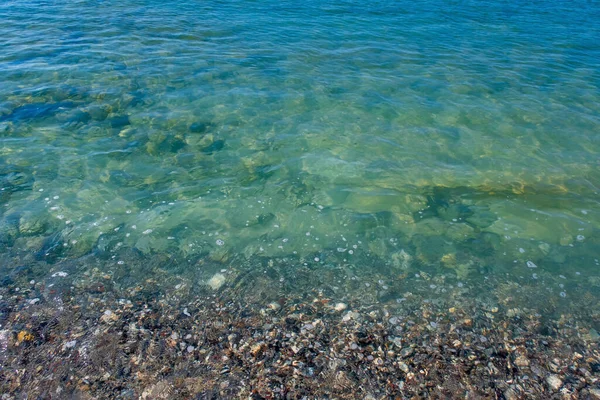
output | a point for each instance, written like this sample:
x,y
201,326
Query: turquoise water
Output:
x,y
454,138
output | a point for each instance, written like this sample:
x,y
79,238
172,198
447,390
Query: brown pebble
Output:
x,y
521,361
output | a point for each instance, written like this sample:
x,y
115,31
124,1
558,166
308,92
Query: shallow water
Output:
x,y
435,138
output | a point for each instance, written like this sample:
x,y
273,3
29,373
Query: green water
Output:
x,y
390,140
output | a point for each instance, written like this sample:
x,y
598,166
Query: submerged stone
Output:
x,y
216,281
119,121
32,224
199,127
78,117
99,112
217,145
36,110
51,249
15,179
482,218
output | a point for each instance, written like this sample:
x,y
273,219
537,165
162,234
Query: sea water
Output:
x,y
397,139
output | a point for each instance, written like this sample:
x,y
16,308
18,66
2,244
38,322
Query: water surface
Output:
x,y
397,139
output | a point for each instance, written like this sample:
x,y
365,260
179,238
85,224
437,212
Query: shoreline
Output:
x,y
83,336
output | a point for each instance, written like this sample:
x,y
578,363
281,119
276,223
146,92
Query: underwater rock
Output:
x,y
77,118
9,229
5,196
402,260
459,232
430,249
37,110
120,121
172,144
461,265
482,218
15,179
119,177
199,127
52,248
31,224
371,202
99,112
217,145
216,281
484,245
454,212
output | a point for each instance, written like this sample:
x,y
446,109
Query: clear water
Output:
x,y
455,138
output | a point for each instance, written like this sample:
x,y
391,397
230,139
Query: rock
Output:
x,y
215,146
350,315
108,317
199,127
594,394
482,219
24,336
397,341
510,394
99,112
407,352
32,225
522,361
69,345
401,260
120,121
554,382
216,281
403,367
160,390
36,110
340,307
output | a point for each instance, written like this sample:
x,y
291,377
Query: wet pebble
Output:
x,y
554,382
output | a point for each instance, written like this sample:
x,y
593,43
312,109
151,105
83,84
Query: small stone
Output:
x,y
522,361
257,349
510,394
407,352
403,367
69,345
198,127
513,312
397,341
24,336
340,307
349,316
109,316
554,382
307,327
